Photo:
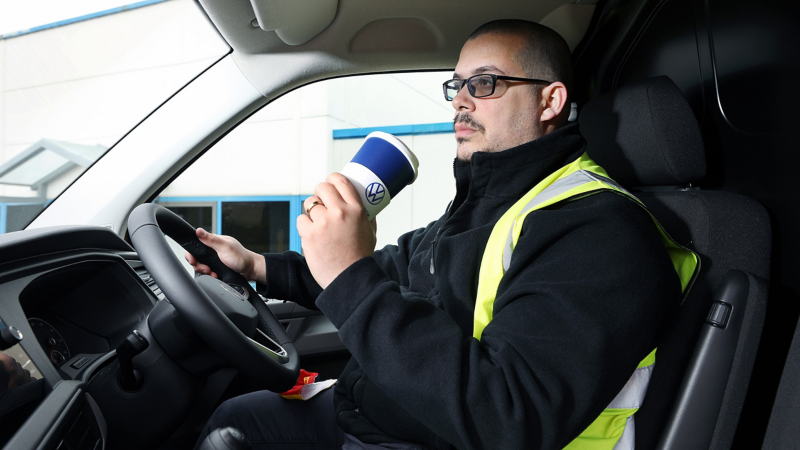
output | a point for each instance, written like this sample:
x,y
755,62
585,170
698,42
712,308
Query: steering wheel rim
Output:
x,y
147,225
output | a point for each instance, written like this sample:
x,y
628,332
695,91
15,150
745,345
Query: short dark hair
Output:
x,y
545,54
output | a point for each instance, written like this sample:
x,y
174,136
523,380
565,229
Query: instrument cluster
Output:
x,y
51,341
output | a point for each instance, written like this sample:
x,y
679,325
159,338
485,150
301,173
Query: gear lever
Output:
x,y
130,379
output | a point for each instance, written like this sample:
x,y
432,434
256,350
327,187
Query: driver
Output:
x,y
573,316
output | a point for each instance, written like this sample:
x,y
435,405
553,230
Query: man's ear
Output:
x,y
554,102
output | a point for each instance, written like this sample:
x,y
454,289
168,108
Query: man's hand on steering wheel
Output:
x,y
232,254
255,343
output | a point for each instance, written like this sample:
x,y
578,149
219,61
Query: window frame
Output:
x,y
295,209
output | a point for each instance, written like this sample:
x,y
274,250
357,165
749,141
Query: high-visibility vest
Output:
x,y
613,429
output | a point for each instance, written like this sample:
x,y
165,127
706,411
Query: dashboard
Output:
x,y
84,309
75,293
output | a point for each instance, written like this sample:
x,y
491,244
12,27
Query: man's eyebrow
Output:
x,y
481,69
489,68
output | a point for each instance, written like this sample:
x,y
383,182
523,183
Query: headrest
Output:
x,y
645,134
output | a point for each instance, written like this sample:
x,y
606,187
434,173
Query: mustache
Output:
x,y
466,119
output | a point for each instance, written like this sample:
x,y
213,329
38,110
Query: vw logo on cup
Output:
x,y
381,168
375,193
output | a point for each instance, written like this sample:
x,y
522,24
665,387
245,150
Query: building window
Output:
x,y
16,216
262,227
265,224
198,214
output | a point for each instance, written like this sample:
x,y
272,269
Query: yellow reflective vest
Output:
x,y
613,429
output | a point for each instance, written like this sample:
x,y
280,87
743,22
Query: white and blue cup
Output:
x,y
381,168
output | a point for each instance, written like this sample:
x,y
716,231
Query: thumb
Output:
x,y
210,239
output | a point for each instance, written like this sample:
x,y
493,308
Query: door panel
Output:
x,y
67,418
312,333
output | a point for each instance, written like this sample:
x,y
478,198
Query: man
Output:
x,y
574,313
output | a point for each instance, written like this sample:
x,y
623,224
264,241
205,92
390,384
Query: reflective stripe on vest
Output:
x,y
614,428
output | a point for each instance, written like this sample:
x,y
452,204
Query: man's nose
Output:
x,y
463,101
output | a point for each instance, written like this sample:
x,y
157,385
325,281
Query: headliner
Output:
x,y
369,36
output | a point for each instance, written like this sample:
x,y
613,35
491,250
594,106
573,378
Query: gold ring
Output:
x,y
313,204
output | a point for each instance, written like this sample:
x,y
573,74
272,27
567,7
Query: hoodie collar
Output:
x,y
513,172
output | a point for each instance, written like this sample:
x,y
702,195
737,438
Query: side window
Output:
x,y
252,183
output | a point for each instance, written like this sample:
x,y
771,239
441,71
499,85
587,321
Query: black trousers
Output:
x,y
271,422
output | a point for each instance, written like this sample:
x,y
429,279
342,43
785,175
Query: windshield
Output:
x,y
70,90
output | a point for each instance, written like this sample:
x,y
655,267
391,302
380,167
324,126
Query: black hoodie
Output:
x,y
574,314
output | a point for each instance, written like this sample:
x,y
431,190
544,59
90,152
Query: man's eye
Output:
x,y
483,82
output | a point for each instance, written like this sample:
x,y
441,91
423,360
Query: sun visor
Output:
x,y
297,21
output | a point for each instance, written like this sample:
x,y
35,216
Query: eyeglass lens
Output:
x,y
451,89
478,86
481,86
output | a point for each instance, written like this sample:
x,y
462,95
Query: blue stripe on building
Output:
x,y
95,15
397,130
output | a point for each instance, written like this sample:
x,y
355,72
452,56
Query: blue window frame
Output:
x,y
15,216
295,203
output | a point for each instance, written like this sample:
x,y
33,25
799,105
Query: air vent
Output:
x,y
81,434
151,283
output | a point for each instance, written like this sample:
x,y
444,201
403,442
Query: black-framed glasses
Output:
x,y
481,85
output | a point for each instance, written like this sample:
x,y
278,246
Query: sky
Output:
x,y
16,15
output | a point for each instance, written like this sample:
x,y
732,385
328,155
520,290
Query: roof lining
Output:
x,y
274,67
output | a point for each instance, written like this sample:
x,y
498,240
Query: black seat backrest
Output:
x,y
648,140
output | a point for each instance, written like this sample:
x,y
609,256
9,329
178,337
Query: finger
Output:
x,y
210,239
190,258
201,268
345,188
309,203
303,222
329,195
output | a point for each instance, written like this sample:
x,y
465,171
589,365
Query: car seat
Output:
x,y
647,138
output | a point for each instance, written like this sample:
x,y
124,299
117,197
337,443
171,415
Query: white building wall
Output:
x,y
287,147
90,82
397,99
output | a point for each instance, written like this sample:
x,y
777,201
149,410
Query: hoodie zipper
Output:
x,y
433,242
449,215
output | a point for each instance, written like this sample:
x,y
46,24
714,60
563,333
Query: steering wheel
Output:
x,y
273,362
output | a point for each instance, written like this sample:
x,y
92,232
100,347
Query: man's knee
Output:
x,y
233,412
224,414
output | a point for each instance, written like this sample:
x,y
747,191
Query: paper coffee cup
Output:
x,y
381,168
